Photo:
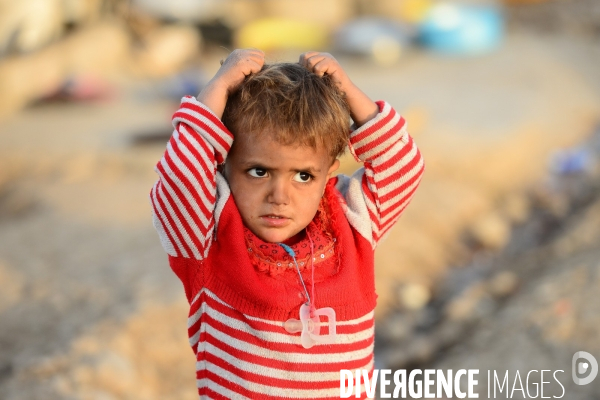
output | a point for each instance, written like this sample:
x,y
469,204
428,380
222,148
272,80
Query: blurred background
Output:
x,y
495,264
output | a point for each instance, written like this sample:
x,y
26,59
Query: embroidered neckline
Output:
x,y
273,259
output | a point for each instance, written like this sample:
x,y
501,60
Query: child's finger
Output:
x,y
255,67
324,66
257,56
249,66
253,63
305,56
255,50
256,60
250,50
241,55
313,60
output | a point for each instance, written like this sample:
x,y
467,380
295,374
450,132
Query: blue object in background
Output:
x,y
382,39
358,36
571,161
188,82
462,29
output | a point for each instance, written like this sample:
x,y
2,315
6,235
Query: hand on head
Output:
x,y
324,64
243,62
239,64
362,108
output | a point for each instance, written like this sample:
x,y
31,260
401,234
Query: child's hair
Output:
x,y
292,105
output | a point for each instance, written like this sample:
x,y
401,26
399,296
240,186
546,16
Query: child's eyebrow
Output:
x,y
312,170
256,164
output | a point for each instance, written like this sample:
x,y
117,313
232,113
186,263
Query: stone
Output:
x,y
503,284
491,231
470,304
516,207
414,296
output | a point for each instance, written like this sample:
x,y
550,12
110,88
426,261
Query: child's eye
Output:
x,y
257,172
303,177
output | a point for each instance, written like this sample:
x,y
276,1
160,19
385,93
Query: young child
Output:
x,y
275,254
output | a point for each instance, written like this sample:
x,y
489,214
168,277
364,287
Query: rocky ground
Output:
x,y
90,310
529,307
553,314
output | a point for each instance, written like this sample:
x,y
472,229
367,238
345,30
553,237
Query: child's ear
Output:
x,y
334,166
222,168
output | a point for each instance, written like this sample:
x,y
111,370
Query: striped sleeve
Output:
x,y
393,166
183,199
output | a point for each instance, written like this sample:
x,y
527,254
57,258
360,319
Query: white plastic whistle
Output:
x,y
311,327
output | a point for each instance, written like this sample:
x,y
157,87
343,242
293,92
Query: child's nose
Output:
x,y
279,192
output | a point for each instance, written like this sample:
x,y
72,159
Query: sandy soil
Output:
x,y
88,306
552,315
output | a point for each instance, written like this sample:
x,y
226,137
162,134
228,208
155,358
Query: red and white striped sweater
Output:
x,y
237,312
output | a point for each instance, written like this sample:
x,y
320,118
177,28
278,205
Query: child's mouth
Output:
x,y
274,220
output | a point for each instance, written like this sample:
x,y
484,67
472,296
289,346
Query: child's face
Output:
x,y
276,188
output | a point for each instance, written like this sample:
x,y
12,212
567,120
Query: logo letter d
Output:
x,y
582,368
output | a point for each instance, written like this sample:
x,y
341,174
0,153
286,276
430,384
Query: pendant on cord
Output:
x,y
309,323
311,326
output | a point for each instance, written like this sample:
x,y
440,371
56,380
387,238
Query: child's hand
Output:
x,y
362,108
239,64
324,63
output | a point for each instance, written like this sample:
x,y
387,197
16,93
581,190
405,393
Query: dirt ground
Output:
x,y
90,310
553,314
